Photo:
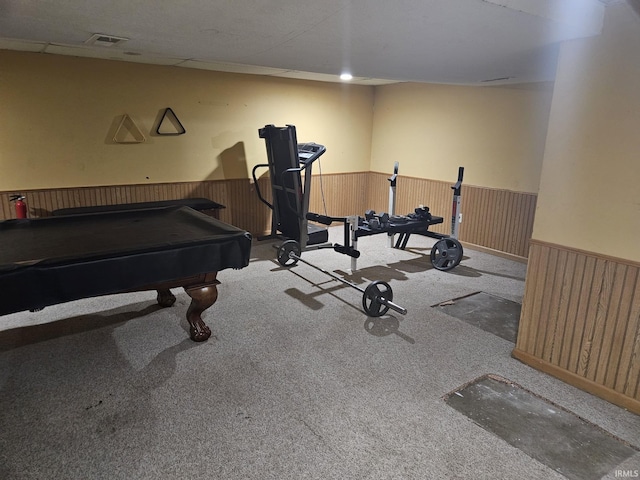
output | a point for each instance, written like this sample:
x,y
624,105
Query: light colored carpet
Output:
x,y
296,381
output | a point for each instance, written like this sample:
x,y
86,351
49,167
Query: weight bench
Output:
x,y
445,254
404,229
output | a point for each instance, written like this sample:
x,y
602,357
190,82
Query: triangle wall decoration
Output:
x,y
170,118
128,132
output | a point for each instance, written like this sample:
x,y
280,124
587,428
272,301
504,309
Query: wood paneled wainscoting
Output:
x,y
345,194
580,321
243,208
498,220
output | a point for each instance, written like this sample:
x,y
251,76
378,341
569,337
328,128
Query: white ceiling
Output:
x,y
470,42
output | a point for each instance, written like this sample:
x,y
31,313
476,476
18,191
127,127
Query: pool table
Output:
x,y
52,260
200,204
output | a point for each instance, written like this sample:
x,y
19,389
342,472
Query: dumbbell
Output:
x,y
384,219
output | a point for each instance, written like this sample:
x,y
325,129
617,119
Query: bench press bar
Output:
x,y
380,299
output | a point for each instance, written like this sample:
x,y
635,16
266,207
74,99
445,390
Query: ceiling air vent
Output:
x,y
103,40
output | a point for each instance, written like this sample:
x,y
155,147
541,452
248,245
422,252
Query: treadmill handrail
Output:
x,y
255,182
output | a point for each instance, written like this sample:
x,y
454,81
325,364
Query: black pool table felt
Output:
x,y
55,239
58,259
195,203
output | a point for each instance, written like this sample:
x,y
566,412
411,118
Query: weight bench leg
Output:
x,y
401,244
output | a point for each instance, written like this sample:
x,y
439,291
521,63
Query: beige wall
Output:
x,y
496,133
589,190
59,115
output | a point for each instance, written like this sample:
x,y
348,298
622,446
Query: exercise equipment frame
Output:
x,y
288,163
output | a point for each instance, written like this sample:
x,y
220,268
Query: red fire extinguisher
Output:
x,y
21,207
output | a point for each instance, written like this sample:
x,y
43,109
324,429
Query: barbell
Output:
x,y
376,298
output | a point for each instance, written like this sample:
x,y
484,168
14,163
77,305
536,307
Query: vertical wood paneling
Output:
x,y
629,337
247,210
622,326
592,300
470,229
580,321
606,329
342,195
574,320
565,319
5,206
581,313
553,339
486,208
631,383
545,318
496,219
526,330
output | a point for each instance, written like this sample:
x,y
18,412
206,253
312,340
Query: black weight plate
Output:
x,y
446,254
290,246
371,299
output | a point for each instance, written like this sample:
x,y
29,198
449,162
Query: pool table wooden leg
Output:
x,y
202,297
165,297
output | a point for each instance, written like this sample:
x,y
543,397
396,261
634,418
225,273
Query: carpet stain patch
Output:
x,y
488,312
556,437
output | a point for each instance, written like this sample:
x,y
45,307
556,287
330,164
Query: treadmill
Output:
x,y
290,165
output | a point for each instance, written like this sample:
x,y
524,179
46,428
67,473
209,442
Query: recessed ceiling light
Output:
x,y
346,77
103,40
